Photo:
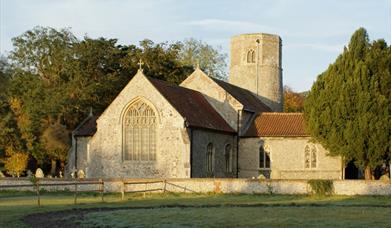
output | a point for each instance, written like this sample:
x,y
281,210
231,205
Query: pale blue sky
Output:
x,y
313,32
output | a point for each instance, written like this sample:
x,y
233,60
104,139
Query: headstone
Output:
x,y
39,173
81,174
1,174
73,172
60,175
29,173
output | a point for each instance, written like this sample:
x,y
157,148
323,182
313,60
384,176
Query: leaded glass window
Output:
x,y
264,157
228,158
310,156
209,159
139,133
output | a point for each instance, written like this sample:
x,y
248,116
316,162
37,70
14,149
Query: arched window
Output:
x,y
209,159
264,157
139,131
251,56
310,156
228,158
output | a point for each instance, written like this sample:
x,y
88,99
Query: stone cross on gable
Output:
x,y
140,64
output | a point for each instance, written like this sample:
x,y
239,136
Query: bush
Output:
x,y
321,187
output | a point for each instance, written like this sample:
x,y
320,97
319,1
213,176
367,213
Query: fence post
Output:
x,y
75,199
123,190
164,187
38,196
102,188
145,190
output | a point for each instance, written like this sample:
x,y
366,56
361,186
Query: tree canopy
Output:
x,y
348,108
51,79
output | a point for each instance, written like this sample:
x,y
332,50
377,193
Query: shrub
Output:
x,y
321,187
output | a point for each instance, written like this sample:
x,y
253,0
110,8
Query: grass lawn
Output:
x,y
194,210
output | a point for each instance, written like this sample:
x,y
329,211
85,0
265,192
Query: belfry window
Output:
x,y
264,157
139,131
251,56
310,156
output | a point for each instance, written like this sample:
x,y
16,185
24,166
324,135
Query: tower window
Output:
x,y
251,56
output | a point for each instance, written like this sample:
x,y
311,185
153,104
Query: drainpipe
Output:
x,y
237,145
186,123
257,62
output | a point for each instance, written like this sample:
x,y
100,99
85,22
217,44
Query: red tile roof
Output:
x,y
86,128
274,124
193,106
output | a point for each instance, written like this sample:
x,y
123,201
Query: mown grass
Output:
x,y
224,210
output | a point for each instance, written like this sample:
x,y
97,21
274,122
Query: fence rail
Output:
x,y
37,186
149,186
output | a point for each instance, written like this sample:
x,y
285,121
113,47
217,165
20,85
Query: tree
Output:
x,y
293,102
348,108
15,162
211,60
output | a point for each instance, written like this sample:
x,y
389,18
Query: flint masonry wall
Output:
x,y
105,147
201,139
246,186
244,73
287,159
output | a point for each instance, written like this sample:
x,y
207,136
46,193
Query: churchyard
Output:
x,y
19,209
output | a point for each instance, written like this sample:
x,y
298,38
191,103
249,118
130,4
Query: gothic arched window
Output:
x,y
251,56
310,156
209,159
264,157
139,130
228,158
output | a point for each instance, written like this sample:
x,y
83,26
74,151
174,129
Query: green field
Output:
x,y
214,210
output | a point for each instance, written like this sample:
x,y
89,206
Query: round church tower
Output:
x,y
256,66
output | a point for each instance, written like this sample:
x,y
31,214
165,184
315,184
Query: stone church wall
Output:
x,y
201,139
172,145
287,159
223,102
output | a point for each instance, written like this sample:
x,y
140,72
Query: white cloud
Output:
x,y
229,25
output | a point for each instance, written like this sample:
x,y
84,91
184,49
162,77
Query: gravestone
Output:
x,y
1,174
29,173
39,173
81,174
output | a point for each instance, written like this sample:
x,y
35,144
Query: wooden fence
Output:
x,y
37,186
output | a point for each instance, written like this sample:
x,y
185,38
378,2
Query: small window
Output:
x,y
251,56
310,156
228,158
209,159
264,157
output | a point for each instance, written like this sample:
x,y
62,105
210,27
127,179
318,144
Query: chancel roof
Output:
x,y
275,124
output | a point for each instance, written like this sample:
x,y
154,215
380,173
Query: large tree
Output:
x,y
196,52
349,106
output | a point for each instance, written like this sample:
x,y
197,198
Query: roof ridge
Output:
x,y
281,113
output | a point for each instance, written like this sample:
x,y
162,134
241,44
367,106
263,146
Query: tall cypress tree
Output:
x,y
349,106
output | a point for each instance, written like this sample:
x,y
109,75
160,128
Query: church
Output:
x,y
205,127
